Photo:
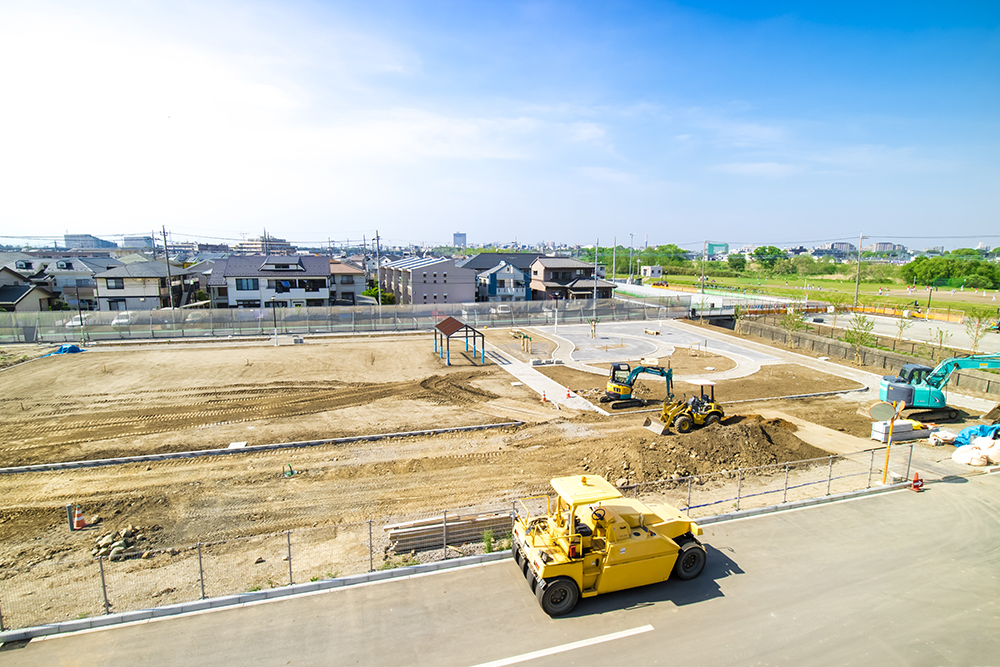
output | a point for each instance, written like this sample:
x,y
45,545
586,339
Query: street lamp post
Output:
x,y
630,237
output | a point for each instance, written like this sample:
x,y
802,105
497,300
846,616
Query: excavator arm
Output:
x,y
667,373
939,376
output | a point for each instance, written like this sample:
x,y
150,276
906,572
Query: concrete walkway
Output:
x,y
542,384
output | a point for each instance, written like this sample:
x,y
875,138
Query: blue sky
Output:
x,y
760,123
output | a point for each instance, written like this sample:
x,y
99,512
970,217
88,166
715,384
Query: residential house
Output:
x,y
347,282
487,260
429,280
565,278
72,278
279,281
143,286
651,271
503,282
19,295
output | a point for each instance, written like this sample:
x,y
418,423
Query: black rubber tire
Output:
x,y
517,555
683,424
690,560
558,596
525,569
713,418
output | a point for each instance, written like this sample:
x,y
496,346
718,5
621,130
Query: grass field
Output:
x,y
827,289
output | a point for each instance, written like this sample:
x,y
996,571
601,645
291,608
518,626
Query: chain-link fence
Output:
x,y
89,326
77,586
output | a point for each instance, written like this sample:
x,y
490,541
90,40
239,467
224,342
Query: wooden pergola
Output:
x,y
448,328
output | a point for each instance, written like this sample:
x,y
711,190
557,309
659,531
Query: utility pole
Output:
x,y
614,258
596,246
704,251
166,260
857,281
378,273
631,236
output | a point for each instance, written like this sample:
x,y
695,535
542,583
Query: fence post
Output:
x,y
288,536
201,572
371,549
104,586
871,464
689,492
784,493
444,533
829,476
2,628
739,487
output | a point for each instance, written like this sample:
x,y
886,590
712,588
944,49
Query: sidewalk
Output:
x,y
552,390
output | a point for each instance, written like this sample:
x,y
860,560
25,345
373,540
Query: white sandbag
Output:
x,y
984,442
943,437
993,452
979,460
966,453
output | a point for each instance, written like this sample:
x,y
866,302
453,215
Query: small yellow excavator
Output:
x,y
591,541
685,414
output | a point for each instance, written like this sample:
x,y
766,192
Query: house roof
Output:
x,y
588,284
338,268
142,270
254,266
411,263
562,263
11,294
83,264
486,260
500,267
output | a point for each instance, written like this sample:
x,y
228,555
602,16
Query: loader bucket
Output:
x,y
655,425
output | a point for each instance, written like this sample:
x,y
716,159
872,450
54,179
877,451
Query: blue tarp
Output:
x,y
966,435
65,349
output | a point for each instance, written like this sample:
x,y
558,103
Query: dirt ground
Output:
x,y
136,399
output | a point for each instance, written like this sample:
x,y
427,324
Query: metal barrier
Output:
x,y
51,591
98,326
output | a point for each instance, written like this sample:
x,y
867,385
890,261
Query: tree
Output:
x,y
859,334
737,262
768,255
785,267
902,324
791,322
388,298
838,302
941,337
977,322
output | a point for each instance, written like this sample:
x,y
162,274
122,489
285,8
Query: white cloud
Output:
x,y
761,169
605,174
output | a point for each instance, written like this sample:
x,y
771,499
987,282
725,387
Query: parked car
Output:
x,y
78,321
123,319
196,316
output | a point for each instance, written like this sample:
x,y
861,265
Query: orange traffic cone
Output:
x,y
543,397
918,483
78,521
567,393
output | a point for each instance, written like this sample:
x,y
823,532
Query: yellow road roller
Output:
x,y
592,540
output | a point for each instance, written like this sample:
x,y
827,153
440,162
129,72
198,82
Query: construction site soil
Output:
x,y
138,399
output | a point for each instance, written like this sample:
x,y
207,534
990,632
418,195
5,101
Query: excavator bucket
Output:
x,y
655,425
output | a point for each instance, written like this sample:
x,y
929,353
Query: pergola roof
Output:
x,y
449,326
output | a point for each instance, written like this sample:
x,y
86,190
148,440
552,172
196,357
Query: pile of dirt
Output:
x,y
739,442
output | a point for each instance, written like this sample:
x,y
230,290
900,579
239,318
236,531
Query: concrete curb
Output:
x,y
98,463
244,598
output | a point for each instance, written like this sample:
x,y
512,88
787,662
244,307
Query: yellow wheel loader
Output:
x,y
685,414
591,540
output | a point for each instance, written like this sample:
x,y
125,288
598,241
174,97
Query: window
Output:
x,y
21,264
116,304
63,264
346,280
247,284
115,283
247,303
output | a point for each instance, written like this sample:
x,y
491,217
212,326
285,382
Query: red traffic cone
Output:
x,y
78,521
567,393
543,397
918,483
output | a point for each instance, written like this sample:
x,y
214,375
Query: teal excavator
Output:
x,y
922,388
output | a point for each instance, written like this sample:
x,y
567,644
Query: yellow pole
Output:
x,y
888,444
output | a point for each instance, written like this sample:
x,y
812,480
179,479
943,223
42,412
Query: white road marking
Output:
x,y
524,657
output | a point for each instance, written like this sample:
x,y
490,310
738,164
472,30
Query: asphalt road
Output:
x,y
925,331
894,579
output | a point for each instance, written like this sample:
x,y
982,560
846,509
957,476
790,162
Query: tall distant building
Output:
x,y
137,241
265,245
86,241
458,240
